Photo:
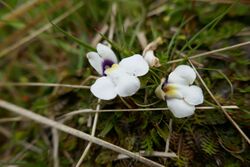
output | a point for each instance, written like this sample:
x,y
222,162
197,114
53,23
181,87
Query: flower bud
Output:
x,y
151,59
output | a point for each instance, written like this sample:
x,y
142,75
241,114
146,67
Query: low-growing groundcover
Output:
x,y
44,42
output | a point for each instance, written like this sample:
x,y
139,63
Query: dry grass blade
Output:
x,y
211,52
48,122
169,136
44,85
98,37
13,119
153,154
225,1
40,30
55,147
139,109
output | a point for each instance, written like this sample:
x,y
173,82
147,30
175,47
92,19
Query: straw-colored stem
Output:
x,y
55,147
140,109
211,52
169,136
48,122
44,85
153,154
12,119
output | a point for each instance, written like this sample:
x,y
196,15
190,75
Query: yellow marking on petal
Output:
x,y
111,69
170,90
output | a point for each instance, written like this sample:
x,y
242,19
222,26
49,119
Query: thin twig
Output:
x,y
157,11
40,30
168,139
139,109
225,1
12,119
31,146
27,146
84,82
146,154
48,122
98,37
218,103
44,85
92,134
112,21
55,147
6,132
142,39
211,52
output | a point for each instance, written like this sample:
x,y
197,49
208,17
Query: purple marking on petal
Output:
x,y
106,64
164,83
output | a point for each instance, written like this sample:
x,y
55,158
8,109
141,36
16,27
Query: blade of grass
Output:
x,y
171,43
85,45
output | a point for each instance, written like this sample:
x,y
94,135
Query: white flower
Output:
x,y
180,95
151,59
117,79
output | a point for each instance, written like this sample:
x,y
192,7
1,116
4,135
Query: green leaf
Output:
x,y
245,90
108,126
163,132
105,157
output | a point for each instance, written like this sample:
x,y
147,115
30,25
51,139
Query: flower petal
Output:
x,y
127,85
104,89
135,65
180,108
95,61
193,95
183,74
106,53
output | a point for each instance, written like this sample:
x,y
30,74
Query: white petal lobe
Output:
x,y
180,108
127,85
183,74
106,53
104,89
193,95
95,61
135,65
